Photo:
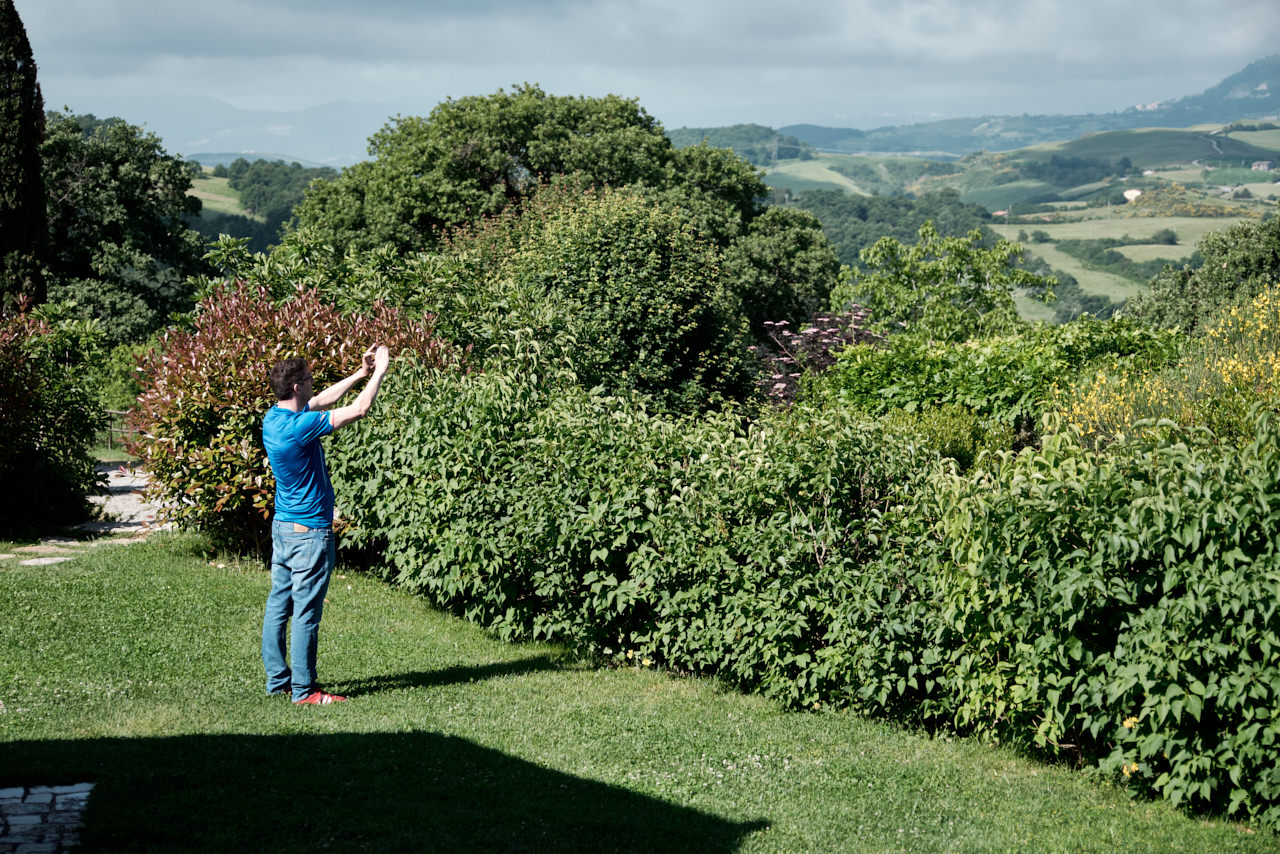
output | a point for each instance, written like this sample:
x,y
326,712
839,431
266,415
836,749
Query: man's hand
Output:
x,y
380,358
367,360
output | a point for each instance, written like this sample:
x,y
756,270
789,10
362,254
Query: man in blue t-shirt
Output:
x,y
302,548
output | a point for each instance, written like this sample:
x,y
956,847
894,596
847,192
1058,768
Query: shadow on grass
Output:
x,y
446,676
417,791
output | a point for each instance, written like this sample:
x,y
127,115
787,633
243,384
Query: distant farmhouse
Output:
x,y
1262,166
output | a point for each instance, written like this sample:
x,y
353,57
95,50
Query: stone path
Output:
x,y
41,819
123,508
47,819
124,518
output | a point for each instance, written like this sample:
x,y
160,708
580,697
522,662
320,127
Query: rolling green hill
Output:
x,y
1155,147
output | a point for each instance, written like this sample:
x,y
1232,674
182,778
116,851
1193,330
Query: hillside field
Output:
x,y
815,174
1199,180
215,194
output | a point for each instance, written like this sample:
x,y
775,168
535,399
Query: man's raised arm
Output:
x,y
379,358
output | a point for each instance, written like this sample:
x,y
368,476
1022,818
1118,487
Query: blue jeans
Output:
x,y
301,563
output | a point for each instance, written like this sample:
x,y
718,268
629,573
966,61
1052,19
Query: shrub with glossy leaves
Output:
x,y
48,420
205,392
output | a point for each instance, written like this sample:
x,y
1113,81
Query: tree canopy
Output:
x,y
477,156
473,156
119,245
853,223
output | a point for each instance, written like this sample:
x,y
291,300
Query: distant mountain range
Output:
x,y
1250,94
336,134
206,129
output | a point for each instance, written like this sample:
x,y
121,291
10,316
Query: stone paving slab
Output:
x,y
42,819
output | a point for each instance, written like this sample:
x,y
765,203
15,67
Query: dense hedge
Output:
x,y
1121,606
544,510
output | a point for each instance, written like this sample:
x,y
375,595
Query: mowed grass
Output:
x,y
1267,139
1157,251
1190,230
136,668
1117,288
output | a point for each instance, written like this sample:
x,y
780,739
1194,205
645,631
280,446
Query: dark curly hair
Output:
x,y
286,374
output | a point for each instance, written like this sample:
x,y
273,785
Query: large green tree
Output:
x,y
22,198
474,156
119,244
478,156
783,268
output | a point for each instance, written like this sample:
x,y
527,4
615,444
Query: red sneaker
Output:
x,y
319,698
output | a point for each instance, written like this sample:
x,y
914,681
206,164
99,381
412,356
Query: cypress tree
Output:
x,y
23,220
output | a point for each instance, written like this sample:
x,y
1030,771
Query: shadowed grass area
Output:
x,y
136,667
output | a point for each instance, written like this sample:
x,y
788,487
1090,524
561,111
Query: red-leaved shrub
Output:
x,y
205,391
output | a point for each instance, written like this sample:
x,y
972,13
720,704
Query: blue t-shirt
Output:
x,y
292,439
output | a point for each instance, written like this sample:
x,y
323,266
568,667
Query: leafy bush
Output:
x,y
542,509
115,377
946,288
955,432
619,284
1118,606
205,391
644,303
48,421
1008,380
1234,366
782,268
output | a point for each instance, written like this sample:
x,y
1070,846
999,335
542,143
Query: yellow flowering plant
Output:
x,y
1216,384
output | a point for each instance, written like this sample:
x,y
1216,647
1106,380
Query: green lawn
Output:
x,y
1189,229
136,667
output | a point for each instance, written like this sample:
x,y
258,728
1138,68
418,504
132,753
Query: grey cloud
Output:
x,y
857,56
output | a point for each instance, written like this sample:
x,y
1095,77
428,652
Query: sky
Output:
x,y
690,63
